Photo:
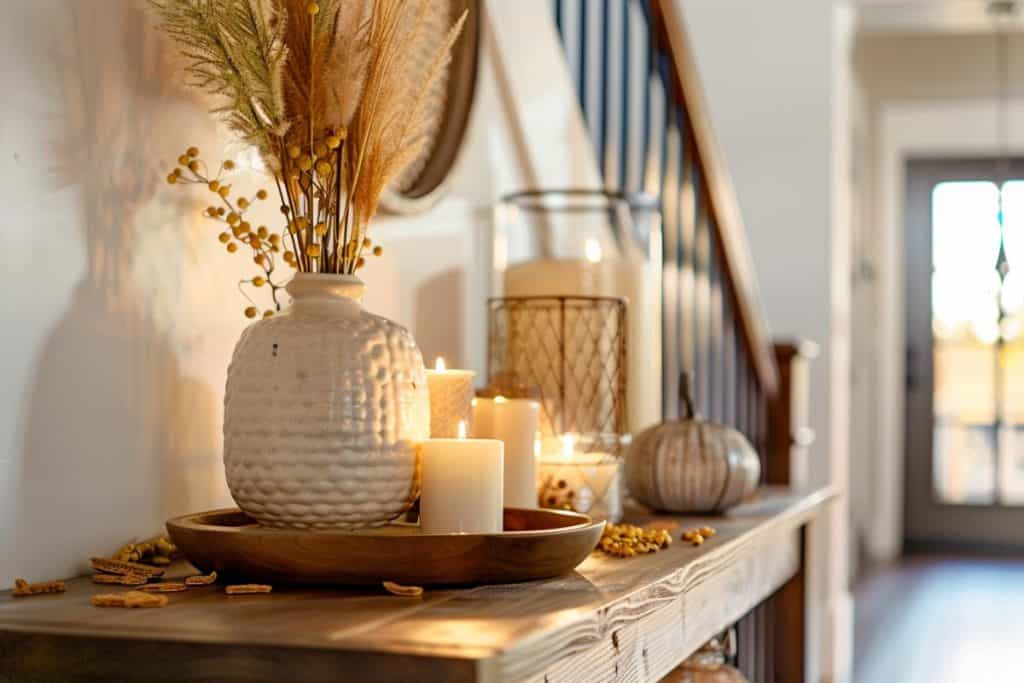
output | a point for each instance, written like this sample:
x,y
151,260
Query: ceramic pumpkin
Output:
x,y
690,465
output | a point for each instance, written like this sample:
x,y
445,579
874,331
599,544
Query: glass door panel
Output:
x,y
965,379
1011,433
1011,465
966,238
964,465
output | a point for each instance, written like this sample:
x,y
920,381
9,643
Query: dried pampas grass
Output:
x,y
235,50
327,61
321,88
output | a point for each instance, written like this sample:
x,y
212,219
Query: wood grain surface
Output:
x,y
612,619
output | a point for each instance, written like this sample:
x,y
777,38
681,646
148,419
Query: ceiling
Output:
x,y
932,16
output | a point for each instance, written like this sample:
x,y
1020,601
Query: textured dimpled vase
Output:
x,y
324,408
691,465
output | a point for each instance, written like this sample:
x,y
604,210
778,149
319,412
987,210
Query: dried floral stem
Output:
x,y
321,89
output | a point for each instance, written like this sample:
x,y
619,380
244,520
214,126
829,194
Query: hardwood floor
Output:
x,y
941,620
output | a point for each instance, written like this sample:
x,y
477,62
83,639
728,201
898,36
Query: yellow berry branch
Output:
x,y
235,230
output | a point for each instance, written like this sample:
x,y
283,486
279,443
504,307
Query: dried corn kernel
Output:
x,y
247,589
23,588
626,540
403,591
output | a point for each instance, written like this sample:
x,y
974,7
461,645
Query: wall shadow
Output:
x,y
112,429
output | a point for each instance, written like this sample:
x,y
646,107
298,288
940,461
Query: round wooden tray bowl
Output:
x,y
536,544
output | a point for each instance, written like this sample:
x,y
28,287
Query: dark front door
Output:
x,y
965,353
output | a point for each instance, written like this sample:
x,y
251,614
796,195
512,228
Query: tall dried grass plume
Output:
x,y
321,89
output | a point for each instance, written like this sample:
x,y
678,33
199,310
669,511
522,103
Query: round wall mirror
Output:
x,y
449,104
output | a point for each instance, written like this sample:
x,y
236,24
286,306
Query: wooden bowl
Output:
x,y
536,544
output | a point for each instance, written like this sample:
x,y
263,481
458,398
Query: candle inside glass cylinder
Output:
x,y
462,482
451,398
515,424
583,482
637,282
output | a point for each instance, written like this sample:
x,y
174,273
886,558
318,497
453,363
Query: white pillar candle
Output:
x,y
451,398
462,483
515,424
483,418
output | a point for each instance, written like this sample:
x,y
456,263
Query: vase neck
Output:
x,y
318,291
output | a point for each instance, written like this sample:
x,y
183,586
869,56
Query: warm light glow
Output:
x,y
568,445
592,250
462,429
439,364
500,399
536,446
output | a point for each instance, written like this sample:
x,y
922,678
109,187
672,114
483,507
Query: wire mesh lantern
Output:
x,y
569,353
580,271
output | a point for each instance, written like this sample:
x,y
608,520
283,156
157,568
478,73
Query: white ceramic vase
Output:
x,y
324,408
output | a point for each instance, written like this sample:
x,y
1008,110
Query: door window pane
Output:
x,y
965,390
1012,389
966,320
965,227
1013,223
963,464
1011,465
965,306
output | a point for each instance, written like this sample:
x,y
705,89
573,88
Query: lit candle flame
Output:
x,y
592,250
439,364
462,429
568,445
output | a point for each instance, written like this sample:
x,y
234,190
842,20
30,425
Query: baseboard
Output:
x,y
926,546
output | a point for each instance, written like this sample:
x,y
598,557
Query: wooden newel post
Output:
x,y
789,438
789,434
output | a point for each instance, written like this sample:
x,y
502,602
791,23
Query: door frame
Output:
x,y
928,523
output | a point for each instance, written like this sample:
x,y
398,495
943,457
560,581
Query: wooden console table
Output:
x,y
613,619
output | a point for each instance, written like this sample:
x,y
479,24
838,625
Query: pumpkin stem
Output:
x,y
687,411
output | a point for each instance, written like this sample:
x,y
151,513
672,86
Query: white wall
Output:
x,y
120,309
776,80
927,95
767,78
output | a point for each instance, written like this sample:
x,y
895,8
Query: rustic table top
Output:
x,y
646,612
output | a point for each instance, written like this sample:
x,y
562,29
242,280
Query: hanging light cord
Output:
x,y
1003,12
1003,66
